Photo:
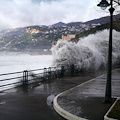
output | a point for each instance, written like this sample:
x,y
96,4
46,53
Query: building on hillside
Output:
x,y
54,42
68,36
94,25
32,30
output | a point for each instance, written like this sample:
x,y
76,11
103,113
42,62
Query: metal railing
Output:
x,y
23,78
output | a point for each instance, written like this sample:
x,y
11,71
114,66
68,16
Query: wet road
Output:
x,y
87,100
35,101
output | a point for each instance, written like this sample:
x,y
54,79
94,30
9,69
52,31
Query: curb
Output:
x,y
106,115
63,112
66,114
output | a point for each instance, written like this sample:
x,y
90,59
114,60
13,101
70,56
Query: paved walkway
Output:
x,y
34,102
86,100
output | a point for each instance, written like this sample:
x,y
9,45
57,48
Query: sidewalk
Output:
x,y
34,102
86,100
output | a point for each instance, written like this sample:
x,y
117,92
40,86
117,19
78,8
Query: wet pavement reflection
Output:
x,y
34,102
87,101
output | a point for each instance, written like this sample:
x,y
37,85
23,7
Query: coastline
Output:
x,y
30,52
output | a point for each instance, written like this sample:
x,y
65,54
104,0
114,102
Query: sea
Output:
x,y
14,62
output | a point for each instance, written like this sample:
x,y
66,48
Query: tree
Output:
x,y
117,2
116,5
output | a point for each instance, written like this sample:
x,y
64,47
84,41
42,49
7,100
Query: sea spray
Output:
x,y
88,53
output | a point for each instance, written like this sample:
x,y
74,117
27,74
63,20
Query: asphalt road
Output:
x,y
35,101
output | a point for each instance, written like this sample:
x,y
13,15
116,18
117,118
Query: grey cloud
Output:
x,y
19,13
39,1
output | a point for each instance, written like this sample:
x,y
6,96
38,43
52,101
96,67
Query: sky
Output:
x,y
22,13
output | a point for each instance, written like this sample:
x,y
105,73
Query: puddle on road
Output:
x,y
3,94
49,100
2,102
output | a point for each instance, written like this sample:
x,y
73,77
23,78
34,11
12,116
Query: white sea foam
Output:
x,y
89,53
15,62
11,62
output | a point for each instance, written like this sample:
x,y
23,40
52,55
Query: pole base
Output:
x,y
107,100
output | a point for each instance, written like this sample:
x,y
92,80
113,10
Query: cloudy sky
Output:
x,y
20,13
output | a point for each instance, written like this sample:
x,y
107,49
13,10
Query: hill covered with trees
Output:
x,y
116,26
40,38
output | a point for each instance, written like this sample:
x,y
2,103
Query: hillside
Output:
x,y
40,38
116,26
59,24
12,32
102,20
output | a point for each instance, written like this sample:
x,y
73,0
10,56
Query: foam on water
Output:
x,y
89,53
14,62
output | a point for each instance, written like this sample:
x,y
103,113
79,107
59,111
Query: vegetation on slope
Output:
x,y
115,112
22,41
116,26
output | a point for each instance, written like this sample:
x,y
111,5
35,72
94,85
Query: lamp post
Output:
x,y
104,4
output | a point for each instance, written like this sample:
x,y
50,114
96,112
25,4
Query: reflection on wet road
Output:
x,y
35,101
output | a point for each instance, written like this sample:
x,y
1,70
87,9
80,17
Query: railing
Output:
x,y
26,77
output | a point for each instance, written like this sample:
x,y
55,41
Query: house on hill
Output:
x,y
68,37
32,30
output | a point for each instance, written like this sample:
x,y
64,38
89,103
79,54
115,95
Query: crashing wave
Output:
x,y
89,53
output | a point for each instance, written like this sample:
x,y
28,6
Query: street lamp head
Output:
x,y
103,4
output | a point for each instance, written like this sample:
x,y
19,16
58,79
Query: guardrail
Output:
x,y
23,78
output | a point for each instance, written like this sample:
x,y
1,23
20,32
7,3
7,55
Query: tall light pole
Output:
x,y
104,4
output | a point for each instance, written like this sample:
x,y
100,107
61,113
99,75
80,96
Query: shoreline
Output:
x,y
29,52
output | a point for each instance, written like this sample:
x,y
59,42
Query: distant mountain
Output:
x,y
59,24
102,20
67,24
74,23
12,32
116,26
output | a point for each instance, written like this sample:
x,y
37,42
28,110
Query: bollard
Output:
x,y
45,72
72,69
62,71
49,73
25,77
